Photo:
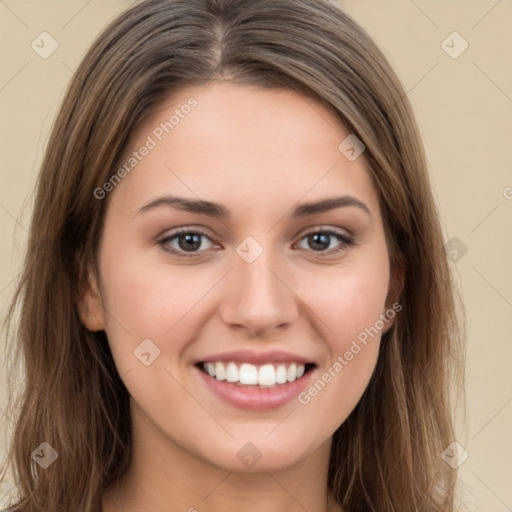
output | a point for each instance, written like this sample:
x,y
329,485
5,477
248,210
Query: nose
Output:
x,y
258,298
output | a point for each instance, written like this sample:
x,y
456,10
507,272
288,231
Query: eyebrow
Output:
x,y
217,210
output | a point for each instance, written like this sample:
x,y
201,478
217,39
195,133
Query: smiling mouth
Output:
x,y
255,376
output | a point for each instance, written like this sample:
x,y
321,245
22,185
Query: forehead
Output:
x,y
242,145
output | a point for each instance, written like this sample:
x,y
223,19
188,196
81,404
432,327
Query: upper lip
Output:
x,y
256,357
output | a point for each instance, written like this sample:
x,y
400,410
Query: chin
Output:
x,y
262,454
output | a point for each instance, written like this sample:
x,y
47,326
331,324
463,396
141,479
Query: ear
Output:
x,y
396,285
91,308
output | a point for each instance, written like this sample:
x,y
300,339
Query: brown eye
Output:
x,y
185,241
320,241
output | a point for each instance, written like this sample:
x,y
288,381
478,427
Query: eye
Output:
x,y
185,242
189,243
321,240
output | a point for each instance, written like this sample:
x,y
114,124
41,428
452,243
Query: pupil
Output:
x,y
320,240
193,241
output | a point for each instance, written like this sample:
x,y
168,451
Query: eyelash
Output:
x,y
345,240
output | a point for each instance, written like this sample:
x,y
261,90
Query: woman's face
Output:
x,y
261,284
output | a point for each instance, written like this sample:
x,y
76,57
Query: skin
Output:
x,y
259,153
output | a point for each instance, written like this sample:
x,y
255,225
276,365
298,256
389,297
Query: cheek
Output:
x,y
349,301
148,300
350,298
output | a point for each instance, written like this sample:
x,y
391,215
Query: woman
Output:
x,y
236,293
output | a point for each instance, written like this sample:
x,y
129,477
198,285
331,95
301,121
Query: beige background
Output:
x,y
464,107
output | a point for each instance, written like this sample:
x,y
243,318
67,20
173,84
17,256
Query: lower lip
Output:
x,y
253,398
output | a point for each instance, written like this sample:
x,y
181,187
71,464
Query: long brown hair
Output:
x,y
387,455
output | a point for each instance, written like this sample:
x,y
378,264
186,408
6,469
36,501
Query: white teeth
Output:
x,y
292,372
267,375
220,372
281,374
252,375
232,374
248,374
